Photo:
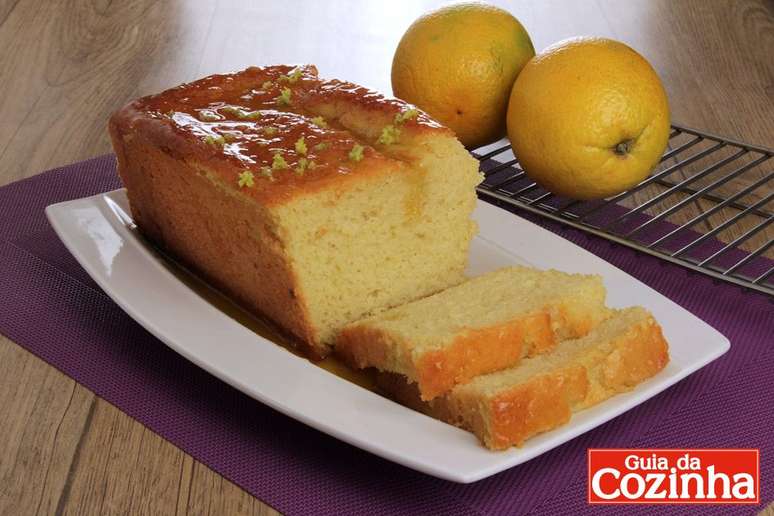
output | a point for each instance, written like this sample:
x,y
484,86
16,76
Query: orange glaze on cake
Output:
x,y
534,407
261,113
541,393
483,350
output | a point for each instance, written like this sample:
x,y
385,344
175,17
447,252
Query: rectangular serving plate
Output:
x,y
100,233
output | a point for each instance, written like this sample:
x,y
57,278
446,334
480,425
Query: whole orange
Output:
x,y
588,118
458,64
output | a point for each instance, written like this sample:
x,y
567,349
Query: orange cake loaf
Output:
x,y
312,202
487,323
505,408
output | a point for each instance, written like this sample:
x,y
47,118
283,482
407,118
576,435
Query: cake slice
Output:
x,y
487,323
312,202
505,408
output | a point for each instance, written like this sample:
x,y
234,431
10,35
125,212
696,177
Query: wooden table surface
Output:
x,y
64,66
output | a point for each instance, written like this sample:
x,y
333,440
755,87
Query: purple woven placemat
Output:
x,y
50,306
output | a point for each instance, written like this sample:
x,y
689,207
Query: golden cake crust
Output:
x,y
473,351
198,240
548,400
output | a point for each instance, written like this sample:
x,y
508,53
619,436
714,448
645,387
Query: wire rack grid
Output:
x,y
705,207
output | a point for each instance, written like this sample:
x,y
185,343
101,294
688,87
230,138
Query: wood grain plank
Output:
x,y
86,62
49,412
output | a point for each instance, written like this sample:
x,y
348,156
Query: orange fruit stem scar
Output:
x,y
588,118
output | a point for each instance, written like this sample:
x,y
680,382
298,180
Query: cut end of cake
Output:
x,y
539,394
482,325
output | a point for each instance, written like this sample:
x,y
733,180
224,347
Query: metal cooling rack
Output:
x,y
705,207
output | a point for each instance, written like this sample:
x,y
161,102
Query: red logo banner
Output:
x,y
673,476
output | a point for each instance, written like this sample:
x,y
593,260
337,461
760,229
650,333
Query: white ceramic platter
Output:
x,y
99,232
